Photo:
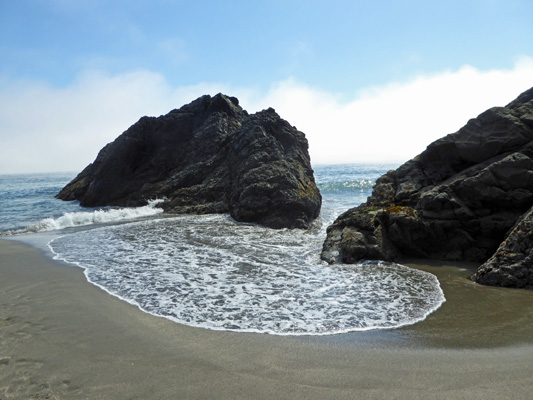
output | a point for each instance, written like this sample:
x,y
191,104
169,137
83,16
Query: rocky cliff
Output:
x,y
468,196
209,156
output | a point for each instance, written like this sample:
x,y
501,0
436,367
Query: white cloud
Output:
x,y
394,122
47,129
43,128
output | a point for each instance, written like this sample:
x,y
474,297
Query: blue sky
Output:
x,y
367,81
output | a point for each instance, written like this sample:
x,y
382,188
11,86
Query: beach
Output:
x,y
63,338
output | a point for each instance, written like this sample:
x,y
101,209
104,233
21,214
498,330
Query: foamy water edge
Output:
x,y
211,278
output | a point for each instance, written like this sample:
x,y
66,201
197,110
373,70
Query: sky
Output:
x,y
366,81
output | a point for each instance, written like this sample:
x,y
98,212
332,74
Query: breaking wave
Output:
x,y
84,218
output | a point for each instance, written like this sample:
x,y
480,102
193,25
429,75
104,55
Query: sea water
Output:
x,y
213,272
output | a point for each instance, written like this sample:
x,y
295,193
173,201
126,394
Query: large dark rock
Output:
x,y
457,200
210,156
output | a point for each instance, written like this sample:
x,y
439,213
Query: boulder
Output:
x,y
457,200
209,156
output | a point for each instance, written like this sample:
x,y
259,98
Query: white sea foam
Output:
x,y
83,218
211,272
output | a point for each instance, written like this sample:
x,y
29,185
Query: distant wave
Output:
x,y
83,218
362,184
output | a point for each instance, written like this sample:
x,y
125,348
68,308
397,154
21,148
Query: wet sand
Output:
x,y
62,338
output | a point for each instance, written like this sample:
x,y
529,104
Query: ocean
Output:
x,y
212,272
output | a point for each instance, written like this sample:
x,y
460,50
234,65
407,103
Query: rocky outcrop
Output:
x,y
512,264
210,156
457,200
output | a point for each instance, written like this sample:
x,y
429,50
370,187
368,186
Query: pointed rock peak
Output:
x,y
228,104
223,97
219,102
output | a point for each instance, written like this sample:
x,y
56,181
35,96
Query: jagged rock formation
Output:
x,y
457,200
210,156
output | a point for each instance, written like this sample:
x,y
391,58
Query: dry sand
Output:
x,y
63,338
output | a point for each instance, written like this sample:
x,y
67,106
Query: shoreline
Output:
x,y
65,338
